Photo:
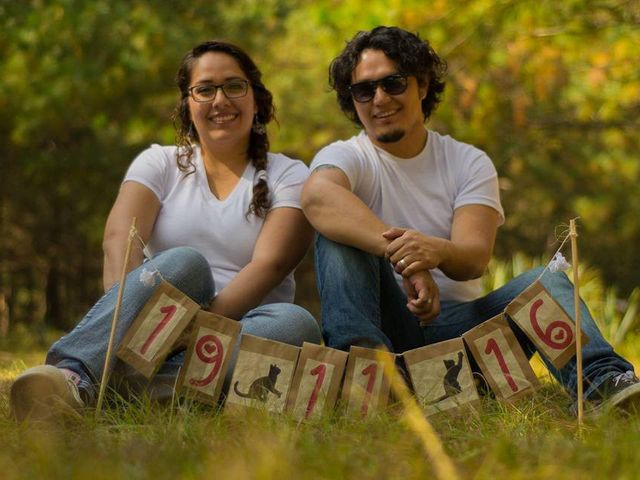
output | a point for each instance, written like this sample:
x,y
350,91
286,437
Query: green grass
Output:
x,y
534,439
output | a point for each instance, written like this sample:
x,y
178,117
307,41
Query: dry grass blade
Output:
x,y
416,421
629,317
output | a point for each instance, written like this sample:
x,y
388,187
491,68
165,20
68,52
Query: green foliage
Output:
x,y
549,89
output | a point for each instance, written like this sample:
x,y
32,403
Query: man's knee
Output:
x,y
521,282
336,262
329,250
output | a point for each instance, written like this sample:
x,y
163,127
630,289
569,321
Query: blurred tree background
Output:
x,y
550,90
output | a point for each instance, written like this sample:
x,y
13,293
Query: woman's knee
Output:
x,y
305,323
180,258
285,321
188,270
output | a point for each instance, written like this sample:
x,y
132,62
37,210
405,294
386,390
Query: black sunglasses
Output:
x,y
365,91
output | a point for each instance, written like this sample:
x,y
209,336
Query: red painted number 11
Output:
x,y
169,311
320,371
371,371
492,347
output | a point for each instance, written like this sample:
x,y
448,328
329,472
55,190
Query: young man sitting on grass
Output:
x,y
407,221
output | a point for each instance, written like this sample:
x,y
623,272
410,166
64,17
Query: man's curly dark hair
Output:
x,y
412,55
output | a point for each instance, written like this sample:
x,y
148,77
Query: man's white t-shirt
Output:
x,y
419,193
190,215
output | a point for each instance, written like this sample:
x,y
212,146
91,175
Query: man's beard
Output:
x,y
391,137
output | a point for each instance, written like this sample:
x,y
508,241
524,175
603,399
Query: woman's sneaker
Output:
x,y
621,392
45,393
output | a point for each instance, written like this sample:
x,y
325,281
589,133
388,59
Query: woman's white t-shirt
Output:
x,y
190,215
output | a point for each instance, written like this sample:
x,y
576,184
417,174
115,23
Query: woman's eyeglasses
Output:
x,y
365,91
206,92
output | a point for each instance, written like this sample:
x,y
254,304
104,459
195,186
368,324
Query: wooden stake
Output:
x,y
576,301
114,321
416,421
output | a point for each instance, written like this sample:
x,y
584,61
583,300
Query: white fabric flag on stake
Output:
x,y
558,263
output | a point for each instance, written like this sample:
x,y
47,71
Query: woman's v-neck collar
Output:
x,y
204,184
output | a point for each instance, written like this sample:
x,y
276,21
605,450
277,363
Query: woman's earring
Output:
x,y
258,127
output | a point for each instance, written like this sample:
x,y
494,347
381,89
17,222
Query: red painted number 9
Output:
x,y
209,350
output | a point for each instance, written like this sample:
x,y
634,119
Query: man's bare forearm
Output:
x,y
338,214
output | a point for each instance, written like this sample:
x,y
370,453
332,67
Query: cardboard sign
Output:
x,y
212,341
156,329
366,388
262,375
316,382
441,376
501,359
546,323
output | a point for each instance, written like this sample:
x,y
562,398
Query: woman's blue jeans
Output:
x,y
83,350
363,305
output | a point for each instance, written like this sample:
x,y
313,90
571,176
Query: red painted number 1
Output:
x,y
371,371
492,347
169,310
320,371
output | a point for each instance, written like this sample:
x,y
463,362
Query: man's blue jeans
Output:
x,y
83,350
363,305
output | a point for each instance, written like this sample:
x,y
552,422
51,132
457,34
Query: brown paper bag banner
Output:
x,y
441,376
206,362
501,359
156,329
262,375
316,382
366,388
546,323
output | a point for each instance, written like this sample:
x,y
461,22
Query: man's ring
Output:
x,y
429,300
402,263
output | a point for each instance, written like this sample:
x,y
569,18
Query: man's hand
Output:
x,y
411,251
423,295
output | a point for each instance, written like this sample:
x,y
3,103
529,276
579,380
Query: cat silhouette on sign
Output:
x,y
450,382
262,386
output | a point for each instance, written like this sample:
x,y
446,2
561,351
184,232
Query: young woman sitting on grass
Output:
x,y
221,217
